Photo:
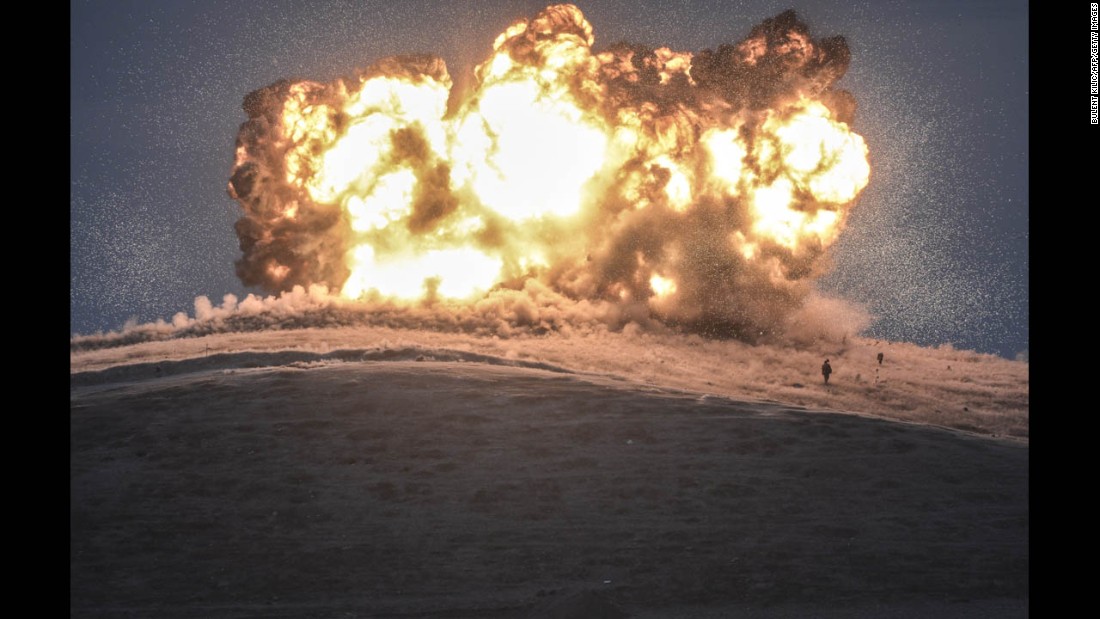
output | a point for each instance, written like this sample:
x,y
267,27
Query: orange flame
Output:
x,y
553,159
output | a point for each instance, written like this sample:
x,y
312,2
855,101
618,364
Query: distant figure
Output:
x,y
880,358
826,369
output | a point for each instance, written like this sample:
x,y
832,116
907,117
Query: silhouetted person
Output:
x,y
826,369
880,358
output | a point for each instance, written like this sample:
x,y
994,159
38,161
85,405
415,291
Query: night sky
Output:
x,y
936,247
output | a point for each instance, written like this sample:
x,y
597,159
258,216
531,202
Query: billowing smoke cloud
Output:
x,y
535,310
698,191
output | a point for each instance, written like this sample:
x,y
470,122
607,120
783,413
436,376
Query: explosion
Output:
x,y
701,189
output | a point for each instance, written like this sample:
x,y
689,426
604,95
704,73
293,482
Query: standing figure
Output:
x,y
826,369
880,358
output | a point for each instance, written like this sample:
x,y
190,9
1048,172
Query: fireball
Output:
x,y
633,175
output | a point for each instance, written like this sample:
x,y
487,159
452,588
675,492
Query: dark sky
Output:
x,y
937,247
